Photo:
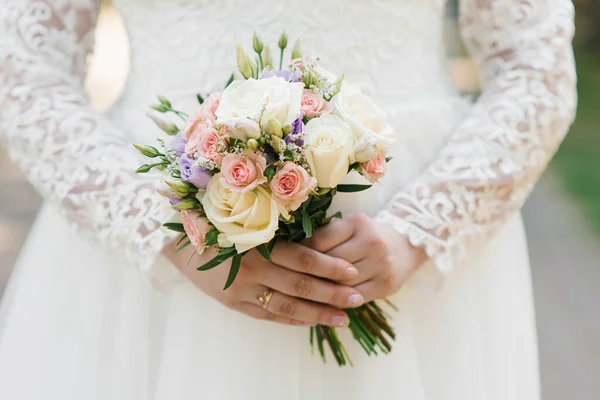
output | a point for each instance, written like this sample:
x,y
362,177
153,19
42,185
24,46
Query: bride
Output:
x,y
108,311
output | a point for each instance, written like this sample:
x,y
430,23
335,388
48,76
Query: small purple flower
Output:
x,y
198,177
295,136
297,126
289,76
178,143
174,201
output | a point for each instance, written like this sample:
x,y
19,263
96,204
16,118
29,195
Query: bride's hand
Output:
x,y
385,259
298,298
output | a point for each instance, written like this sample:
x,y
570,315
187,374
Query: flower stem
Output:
x,y
281,59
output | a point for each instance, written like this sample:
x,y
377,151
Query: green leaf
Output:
x,y
328,219
320,339
264,251
388,159
211,237
352,188
319,202
218,259
174,226
200,98
233,271
231,78
183,246
183,237
297,236
318,214
307,224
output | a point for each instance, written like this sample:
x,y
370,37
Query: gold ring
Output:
x,y
264,299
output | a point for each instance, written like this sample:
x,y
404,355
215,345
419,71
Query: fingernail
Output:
x,y
355,300
350,273
340,320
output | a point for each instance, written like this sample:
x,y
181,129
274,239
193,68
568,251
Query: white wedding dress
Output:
x,y
79,320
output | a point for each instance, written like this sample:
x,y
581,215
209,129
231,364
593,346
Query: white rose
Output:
x,y
244,129
367,121
329,151
283,101
364,150
248,98
244,219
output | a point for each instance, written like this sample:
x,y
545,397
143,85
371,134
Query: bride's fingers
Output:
x,y
257,312
376,289
311,288
331,235
368,269
353,250
300,258
286,306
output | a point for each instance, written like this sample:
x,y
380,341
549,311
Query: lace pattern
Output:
x,y
75,157
490,164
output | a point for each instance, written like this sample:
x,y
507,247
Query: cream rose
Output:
x,y
278,98
244,219
368,122
329,152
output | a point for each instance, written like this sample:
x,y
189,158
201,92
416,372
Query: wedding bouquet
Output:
x,y
261,161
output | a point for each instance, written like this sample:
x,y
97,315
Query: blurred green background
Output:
x,y
577,164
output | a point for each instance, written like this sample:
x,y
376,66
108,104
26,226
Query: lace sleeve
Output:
x,y
73,156
489,165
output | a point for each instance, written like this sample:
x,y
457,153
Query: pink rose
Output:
x,y
292,185
374,168
243,173
201,130
196,227
210,147
313,105
206,112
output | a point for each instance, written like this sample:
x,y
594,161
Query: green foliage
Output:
x,y
174,226
352,188
577,162
233,271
